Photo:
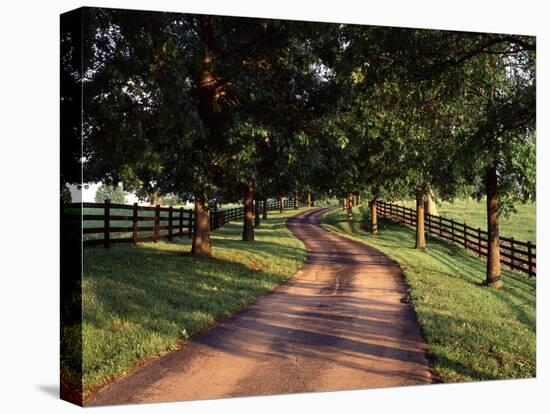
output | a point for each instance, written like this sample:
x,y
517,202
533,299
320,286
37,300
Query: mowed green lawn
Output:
x,y
473,332
139,302
521,225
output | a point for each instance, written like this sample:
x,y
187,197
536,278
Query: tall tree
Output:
x,y
110,192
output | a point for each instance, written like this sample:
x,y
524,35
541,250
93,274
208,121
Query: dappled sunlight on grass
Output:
x,y
473,332
139,301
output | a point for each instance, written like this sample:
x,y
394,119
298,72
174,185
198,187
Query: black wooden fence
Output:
x,y
516,254
220,217
107,223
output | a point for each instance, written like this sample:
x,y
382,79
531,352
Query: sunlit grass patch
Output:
x,y
473,332
140,301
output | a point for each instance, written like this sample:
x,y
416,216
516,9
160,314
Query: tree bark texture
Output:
x,y
344,204
350,205
356,199
248,224
420,233
208,82
201,246
281,201
493,278
296,200
264,209
308,199
373,218
429,202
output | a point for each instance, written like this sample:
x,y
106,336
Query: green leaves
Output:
x,y
185,104
110,192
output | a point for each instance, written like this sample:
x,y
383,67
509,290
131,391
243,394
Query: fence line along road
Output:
x,y
516,254
124,223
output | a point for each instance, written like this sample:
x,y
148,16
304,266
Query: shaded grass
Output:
x,y
521,225
473,332
140,302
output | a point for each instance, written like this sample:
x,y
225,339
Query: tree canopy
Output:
x,y
114,193
202,107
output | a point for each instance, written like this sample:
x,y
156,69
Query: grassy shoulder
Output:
x,y
140,302
521,225
473,332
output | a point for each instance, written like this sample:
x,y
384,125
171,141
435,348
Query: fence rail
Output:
x,y
518,255
123,223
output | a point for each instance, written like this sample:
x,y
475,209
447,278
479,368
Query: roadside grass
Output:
x,y
473,332
141,301
521,225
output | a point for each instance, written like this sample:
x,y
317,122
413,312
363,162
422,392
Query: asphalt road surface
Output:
x,y
341,322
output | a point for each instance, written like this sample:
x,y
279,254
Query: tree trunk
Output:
x,y
344,204
201,246
281,201
248,224
256,214
308,199
350,205
420,233
296,200
154,198
373,218
429,202
264,209
208,86
356,199
493,278
313,200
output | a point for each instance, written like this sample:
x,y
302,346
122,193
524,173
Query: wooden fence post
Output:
x,y
170,216
465,236
452,230
512,248
157,223
530,257
180,227
106,223
135,223
190,223
479,240
212,216
429,222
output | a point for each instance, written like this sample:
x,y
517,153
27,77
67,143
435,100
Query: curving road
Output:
x,y
341,322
